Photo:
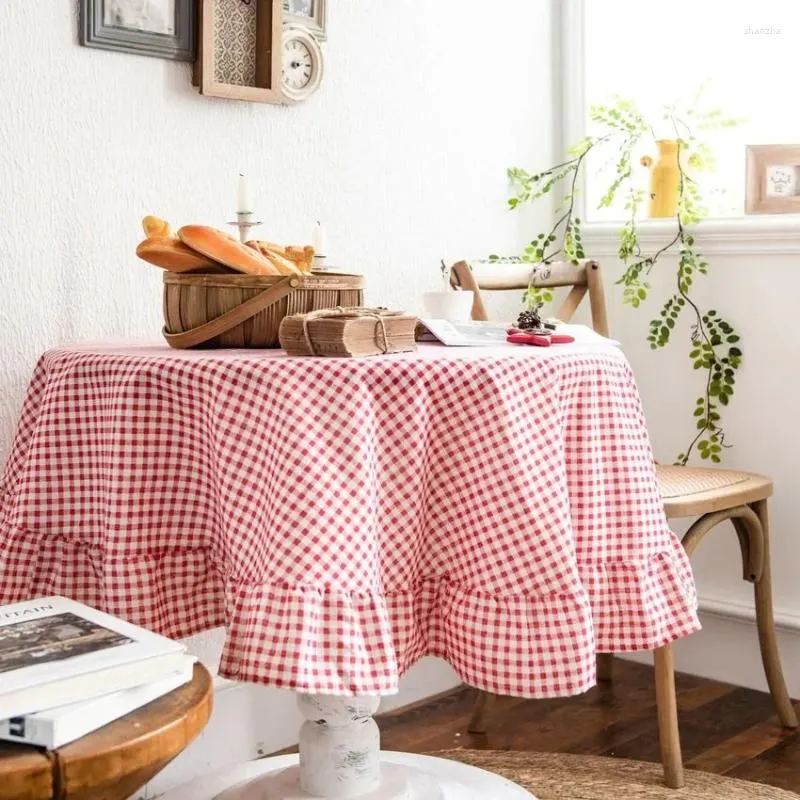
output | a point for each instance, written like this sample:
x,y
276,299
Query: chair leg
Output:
x,y
765,622
667,706
483,705
605,667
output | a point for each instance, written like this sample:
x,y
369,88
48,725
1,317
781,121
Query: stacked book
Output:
x,y
353,331
67,669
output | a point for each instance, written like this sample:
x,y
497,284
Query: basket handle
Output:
x,y
230,319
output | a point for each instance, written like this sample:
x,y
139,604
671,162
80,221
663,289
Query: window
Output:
x,y
658,52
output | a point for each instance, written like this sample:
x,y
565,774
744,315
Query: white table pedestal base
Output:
x,y
404,776
340,759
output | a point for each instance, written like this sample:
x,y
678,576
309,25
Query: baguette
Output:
x,y
155,226
172,254
220,246
302,257
284,265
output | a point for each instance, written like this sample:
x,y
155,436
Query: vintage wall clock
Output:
x,y
302,64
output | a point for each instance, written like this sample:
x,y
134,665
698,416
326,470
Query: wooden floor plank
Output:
x,y
627,734
742,747
724,729
704,727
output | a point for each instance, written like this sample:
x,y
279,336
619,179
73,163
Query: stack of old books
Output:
x,y
67,669
353,331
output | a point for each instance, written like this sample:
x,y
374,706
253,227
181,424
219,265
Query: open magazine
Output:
x,y
468,333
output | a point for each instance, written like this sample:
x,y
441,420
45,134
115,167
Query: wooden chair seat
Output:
x,y
691,491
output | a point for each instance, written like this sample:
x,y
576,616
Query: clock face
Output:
x,y
298,64
302,64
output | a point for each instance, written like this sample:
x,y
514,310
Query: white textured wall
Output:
x,y
402,154
758,295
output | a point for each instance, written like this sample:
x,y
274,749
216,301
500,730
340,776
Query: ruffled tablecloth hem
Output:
x,y
175,592
328,641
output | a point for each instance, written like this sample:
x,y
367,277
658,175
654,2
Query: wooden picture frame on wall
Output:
x,y
311,14
773,179
161,28
239,50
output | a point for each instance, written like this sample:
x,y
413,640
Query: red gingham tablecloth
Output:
x,y
496,507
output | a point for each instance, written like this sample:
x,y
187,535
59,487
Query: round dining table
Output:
x,y
493,506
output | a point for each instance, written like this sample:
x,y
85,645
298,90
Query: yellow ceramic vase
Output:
x,y
665,179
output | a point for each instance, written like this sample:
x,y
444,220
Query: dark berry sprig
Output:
x,y
529,319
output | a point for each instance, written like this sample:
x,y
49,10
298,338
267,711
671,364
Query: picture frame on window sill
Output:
x,y
160,28
311,14
773,179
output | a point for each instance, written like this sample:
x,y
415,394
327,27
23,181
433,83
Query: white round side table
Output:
x,y
404,776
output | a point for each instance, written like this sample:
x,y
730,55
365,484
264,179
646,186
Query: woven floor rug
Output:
x,y
556,776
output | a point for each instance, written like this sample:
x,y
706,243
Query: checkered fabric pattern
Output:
x,y
344,517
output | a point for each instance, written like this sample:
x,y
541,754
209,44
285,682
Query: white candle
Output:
x,y
319,240
244,203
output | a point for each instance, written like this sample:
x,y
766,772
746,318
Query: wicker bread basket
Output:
x,y
246,310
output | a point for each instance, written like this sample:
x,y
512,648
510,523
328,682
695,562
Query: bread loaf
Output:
x,y
301,257
172,254
155,226
282,264
219,246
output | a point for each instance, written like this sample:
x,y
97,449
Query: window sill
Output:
x,y
769,234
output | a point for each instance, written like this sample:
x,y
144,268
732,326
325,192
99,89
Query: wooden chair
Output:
x,y
711,495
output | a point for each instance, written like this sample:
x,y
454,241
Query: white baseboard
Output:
x,y
727,648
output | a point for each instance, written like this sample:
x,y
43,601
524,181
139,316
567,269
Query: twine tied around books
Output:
x,y
339,311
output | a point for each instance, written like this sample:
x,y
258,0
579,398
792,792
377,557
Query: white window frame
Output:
x,y
775,234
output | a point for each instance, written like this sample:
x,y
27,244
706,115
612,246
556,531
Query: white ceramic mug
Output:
x,y
455,306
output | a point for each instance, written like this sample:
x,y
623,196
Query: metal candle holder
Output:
x,y
244,221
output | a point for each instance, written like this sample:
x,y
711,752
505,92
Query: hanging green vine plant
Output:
x,y
714,344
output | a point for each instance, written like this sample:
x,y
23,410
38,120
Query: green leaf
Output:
x,y
735,351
